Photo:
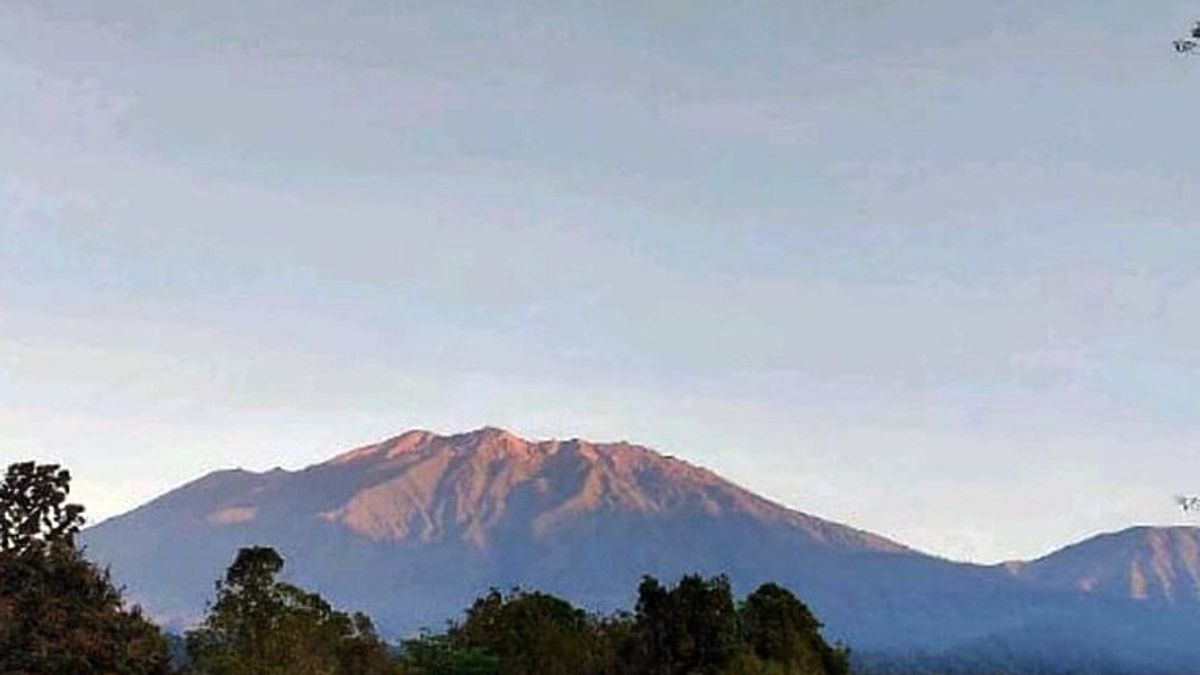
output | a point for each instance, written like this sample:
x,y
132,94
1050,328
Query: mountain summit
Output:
x,y
421,487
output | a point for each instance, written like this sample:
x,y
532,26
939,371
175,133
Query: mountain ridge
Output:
x,y
611,473
1144,563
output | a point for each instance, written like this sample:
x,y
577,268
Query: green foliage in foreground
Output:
x,y
262,626
695,628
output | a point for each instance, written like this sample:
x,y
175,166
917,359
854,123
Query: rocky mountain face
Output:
x,y
410,530
472,488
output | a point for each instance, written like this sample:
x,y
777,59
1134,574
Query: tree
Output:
x,y
531,633
34,509
262,626
59,613
691,629
780,629
442,655
694,628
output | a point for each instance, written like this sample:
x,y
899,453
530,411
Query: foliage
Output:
x,y
780,629
531,633
34,509
262,626
693,628
442,655
59,613
690,629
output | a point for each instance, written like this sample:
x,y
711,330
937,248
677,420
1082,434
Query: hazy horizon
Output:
x,y
927,268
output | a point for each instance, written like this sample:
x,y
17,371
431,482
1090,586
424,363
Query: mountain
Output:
x,y
410,530
427,521
1156,565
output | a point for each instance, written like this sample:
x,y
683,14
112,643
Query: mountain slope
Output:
x,y
436,516
1142,563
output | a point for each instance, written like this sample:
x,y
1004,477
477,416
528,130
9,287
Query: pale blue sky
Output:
x,y
926,267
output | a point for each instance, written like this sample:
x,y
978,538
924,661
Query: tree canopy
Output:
x,y
693,628
531,632
33,508
781,630
59,613
260,625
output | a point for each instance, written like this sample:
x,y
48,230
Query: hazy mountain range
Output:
x,y
411,529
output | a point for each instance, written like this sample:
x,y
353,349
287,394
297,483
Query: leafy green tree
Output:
x,y
691,629
781,630
262,626
59,613
532,634
694,628
442,655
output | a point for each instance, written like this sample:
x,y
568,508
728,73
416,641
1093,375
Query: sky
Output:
x,y
929,268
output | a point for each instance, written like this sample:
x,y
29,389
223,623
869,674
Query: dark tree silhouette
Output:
x,y
262,626
532,634
59,613
781,630
693,628
34,508
689,629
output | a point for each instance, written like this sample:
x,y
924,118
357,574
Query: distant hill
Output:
x,y
411,529
1142,563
